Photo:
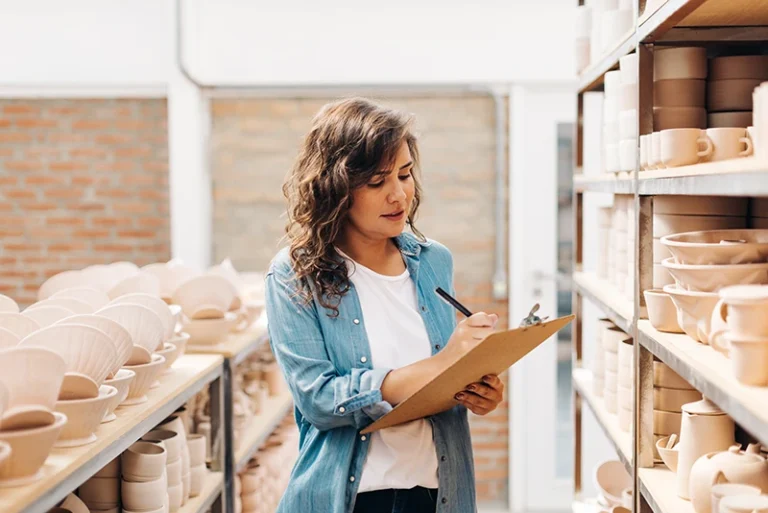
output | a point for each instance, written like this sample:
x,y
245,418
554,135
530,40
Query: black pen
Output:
x,y
451,301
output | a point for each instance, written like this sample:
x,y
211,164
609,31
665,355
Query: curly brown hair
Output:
x,y
350,141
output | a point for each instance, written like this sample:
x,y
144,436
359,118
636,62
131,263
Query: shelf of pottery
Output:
x,y
92,370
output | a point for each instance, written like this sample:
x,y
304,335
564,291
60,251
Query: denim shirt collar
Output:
x,y
411,248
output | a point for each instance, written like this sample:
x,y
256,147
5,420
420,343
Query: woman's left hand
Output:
x,y
481,398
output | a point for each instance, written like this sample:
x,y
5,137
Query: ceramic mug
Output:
x,y
656,150
747,320
727,143
684,146
749,359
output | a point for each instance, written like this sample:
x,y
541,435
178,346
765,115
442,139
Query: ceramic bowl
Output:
x,y
100,493
86,350
146,374
668,455
661,311
90,295
18,324
665,225
197,449
84,416
75,305
171,441
661,277
58,282
666,422
739,66
701,206
171,353
17,364
140,282
144,326
180,341
8,339
735,119
8,305
731,95
170,277
694,311
665,377
669,118
120,337
46,316
711,278
173,471
205,297
610,479
74,504
122,382
143,462
147,496
672,399
206,332
680,63
29,450
155,304
111,469
660,252
679,93
197,480
176,496
718,247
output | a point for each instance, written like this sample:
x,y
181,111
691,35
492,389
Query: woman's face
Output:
x,y
380,209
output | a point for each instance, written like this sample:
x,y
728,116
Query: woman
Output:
x,y
356,325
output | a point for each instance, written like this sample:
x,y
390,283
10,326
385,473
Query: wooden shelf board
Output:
x,y
620,183
654,25
736,177
237,346
659,488
261,426
727,13
622,441
66,469
592,76
212,488
710,372
607,297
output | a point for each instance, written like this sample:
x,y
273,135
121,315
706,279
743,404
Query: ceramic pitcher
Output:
x,y
705,428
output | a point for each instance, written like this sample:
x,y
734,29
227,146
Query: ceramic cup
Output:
x,y
749,358
644,152
729,143
612,164
746,307
656,150
683,146
627,155
752,134
727,489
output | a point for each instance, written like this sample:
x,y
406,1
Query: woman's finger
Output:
x,y
494,381
475,402
484,390
482,320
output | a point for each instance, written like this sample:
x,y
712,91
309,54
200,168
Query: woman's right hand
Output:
x,y
468,333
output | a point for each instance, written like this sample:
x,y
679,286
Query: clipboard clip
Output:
x,y
532,319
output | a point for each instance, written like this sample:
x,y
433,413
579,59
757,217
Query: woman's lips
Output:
x,y
394,217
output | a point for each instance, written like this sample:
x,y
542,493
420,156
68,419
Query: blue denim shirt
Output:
x,y
327,364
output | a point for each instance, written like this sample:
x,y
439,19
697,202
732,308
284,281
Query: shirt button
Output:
x,y
342,409
363,438
437,346
442,458
363,359
444,500
351,479
423,308
356,321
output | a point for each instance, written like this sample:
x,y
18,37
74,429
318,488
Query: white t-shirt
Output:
x,y
402,456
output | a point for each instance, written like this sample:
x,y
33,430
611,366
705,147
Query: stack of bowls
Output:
x,y
172,444
669,389
101,493
620,241
144,483
198,449
611,109
616,21
598,364
604,254
731,82
626,384
705,262
628,120
612,339
759,213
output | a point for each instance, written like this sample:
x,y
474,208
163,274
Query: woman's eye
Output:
x,y
404,177
375,185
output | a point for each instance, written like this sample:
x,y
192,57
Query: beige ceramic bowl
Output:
x,y
144,497
90,295
197,479
100,493
29,450
171,441
694,311
8,339
155,304
197,449
661,311
140,282
680,63
672,399
180,340
18,324
173,471
57,282
711,278
668,118
8,305
111,469
17,364
205,297
176,496
736,119
666,422
144,326
664,376
122,382
610,479
76,306
47,315
668,456
84,416
171,353
679,93
143,462
739,66
718,247
661,277
146,374
206,332
730,95
120,337
74,504
665,225
86,350
701,206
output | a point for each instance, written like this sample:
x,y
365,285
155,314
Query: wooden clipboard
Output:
x,y
493,355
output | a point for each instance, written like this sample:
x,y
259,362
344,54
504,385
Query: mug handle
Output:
x,y
715,342
708,149
748,144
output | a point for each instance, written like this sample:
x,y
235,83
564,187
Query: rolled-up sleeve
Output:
x,y
325,398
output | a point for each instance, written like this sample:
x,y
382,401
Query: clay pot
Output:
x,y
143,462
100,493
84,416
146,374
146,496
29,450
679,93
661,311
611,478
680,63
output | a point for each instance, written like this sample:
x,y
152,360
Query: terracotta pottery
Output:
x,y
29,450
704,429
144,326
143,462
17,364
668,118
146,496
740,119
679,93
120,337
122,382
146,374
739,66
84,417
732,466
731,95
661,311
18,324
171,441
664,376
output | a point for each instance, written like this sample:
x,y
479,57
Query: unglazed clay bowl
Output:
x,y
8,339
78,386
146,374
155,304
18,324
718,247
207,332
668,455
170,352
170,439
680,63
670,118
711,278
100,493
29,450
665,224
731,95
205,297
76,306
17,364
139,282
666,422
86,350
679,93
120,337
146,496
672,399
8,305
121,382
90,295
694,311
700,206
47,315
143,462
144,326
84,416
74,504
170,276
738,119
58,282
661,311
664,376
611,478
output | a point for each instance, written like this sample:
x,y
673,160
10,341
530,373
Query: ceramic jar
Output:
x,y
732,466
705,428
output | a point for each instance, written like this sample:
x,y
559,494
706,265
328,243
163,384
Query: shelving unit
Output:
x,y
261,426
212,487
680,23
66,469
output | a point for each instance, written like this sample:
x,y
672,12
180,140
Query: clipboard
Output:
x,y
495,354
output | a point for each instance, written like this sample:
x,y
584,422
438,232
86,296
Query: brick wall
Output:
x,y
254,144
81,182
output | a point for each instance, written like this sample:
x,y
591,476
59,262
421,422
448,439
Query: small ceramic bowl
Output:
x,y
665,377
171,441
207,332
84,416
170,352
668,456
47,315
143,462
29,450
197,479
718,247
17,364
611,478
145,497
694,311
139,282
90,295
197,449
666,422
111,469
122,382
146,375
100,493
661,311
672,399
205,297
711,278
155,304
667,224
120,337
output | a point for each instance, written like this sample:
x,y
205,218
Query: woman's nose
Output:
x,y
397,194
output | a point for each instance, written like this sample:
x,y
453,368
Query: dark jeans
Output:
x,y
414,500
